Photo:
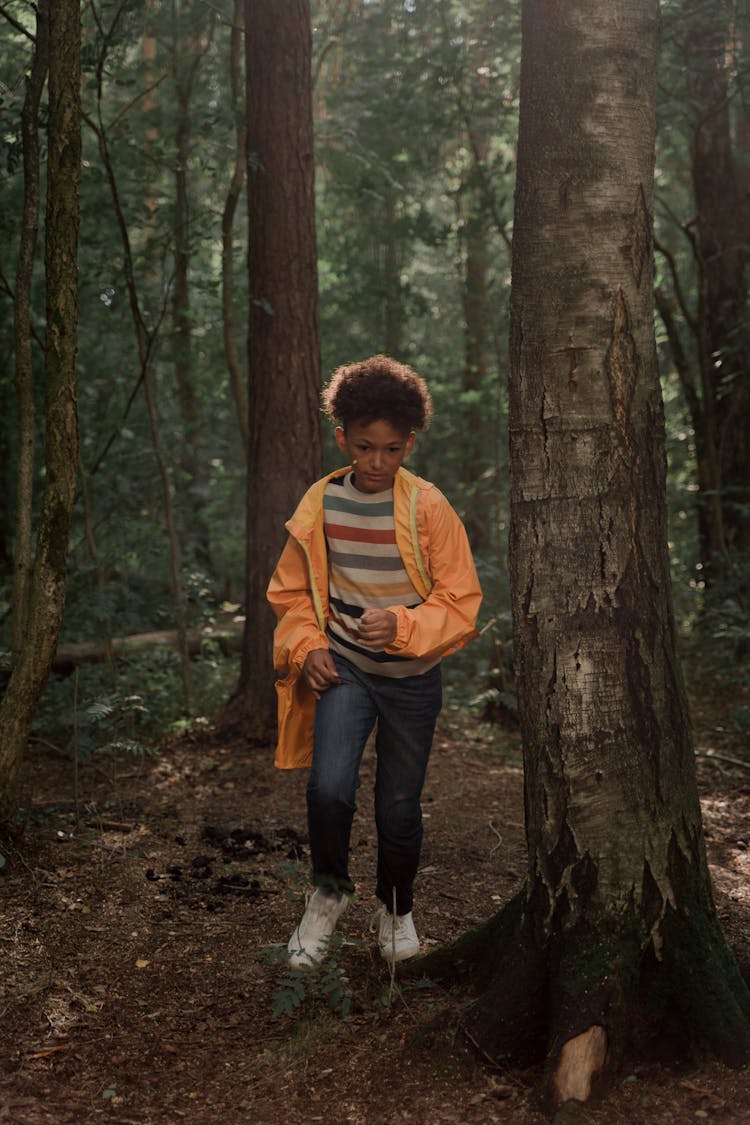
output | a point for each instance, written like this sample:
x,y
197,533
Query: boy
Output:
x,y
375,584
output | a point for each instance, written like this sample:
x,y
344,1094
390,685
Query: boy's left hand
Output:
x,y
377,627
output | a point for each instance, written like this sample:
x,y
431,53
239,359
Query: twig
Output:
x,y
722,758
499,839
15,23
487,1058
109,825
453,898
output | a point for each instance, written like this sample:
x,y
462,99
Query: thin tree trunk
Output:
x,y
392,257
101,578
473,232
144,344
231,351
721,243
23,554
30,671
711,543
187,55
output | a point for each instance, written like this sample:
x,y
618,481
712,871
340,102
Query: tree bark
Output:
x,y
284,356
616,923
231,350
47,601
187,55
23,553
473,237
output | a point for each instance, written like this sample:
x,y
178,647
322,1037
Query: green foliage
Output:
x,y
415,147
326,984
416,120
99,714
105,725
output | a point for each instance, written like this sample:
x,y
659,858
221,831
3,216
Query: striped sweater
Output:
x,y
365,571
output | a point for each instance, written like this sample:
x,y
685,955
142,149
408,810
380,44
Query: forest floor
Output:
x,y
147,904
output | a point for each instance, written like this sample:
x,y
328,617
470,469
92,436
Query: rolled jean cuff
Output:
x,y
333,883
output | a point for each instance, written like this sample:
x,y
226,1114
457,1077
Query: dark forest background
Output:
x,y
415,116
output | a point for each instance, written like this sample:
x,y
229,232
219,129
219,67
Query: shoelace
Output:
x,y
376,921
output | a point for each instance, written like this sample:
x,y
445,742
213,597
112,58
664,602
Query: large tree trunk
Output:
x,y
31,668
284,354
617,917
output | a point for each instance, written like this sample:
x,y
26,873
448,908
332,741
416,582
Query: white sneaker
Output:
x,y
396,941
308,944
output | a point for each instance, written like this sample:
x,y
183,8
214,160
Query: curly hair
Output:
x,y
378,389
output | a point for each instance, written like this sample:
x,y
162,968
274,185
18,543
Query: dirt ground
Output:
x,y
146,908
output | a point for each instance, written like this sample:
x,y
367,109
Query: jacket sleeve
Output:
x,y
297,631
446,620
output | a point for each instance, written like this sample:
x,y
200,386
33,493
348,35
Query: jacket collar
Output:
x,y
308,510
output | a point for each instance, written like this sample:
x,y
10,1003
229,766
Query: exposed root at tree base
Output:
x,y
576,999
581,1060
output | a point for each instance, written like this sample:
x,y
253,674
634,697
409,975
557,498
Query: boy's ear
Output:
x,y
340,439
410,443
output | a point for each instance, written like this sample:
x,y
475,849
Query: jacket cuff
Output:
x,y
300,656
402,628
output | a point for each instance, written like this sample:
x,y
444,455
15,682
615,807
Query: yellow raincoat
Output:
x,y
436,554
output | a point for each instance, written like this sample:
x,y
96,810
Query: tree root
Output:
x,y
581,1060
574,998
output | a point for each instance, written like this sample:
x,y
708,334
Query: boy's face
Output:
x,y
377,452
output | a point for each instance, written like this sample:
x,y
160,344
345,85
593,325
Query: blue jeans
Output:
x,y
405,711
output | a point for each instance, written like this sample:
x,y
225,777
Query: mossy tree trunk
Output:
x,y
284,454
616,926
47,597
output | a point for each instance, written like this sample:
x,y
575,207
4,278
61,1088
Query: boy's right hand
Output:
x,y
320,671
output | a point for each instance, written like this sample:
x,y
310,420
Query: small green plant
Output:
x,y
110,723
327,983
